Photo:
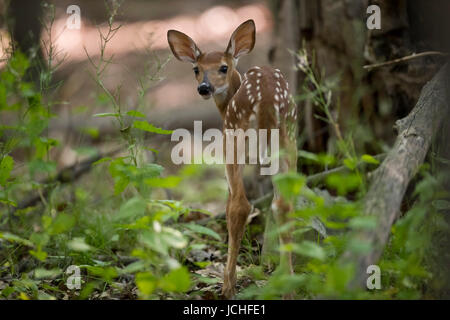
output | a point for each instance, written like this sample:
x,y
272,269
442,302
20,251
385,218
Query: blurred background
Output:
x,y
333,31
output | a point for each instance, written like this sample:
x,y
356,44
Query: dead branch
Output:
x,y
66,175
404,59
390,180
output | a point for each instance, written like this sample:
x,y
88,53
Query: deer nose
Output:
x,y
204,89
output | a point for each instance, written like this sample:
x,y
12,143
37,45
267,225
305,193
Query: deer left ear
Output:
x,y
242,40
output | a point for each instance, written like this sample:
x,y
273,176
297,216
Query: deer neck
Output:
x,y
222,99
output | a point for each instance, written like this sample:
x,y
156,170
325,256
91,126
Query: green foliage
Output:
x,y
117,230
84,232
319,269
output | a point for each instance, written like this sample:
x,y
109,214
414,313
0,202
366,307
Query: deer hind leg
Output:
x,y
281,208
238,209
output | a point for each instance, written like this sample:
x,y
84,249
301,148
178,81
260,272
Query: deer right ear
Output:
x,y
183,47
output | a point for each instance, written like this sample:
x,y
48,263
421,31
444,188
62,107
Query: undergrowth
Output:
x,y
127,241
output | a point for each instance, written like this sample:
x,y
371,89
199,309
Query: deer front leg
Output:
x,y
238,209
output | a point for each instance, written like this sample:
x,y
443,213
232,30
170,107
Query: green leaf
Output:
x,y
351,163
46,274
146,283
203,230
145,126
78,244
106,273
308,155
40,255
152,150
344,183
106,114
369,159
135,113
163,240
41,166
92,132
106,159
8,202
177,280
6,165
363,223
40,239
306,248
290,184
19,63
13,238
131,209
3,103
167,182
61,224
133,267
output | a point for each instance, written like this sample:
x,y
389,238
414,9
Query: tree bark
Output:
x,y
285,38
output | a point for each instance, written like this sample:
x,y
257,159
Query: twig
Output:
x,y
66,175
403,59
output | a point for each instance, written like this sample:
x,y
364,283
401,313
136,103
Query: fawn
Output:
x,y
258,100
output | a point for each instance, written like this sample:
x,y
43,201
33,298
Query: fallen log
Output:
x,y
390,180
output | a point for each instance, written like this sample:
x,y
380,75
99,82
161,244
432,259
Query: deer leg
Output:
x,y
281,209
238,209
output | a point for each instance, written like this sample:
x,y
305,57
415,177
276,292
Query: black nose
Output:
x,y
204,89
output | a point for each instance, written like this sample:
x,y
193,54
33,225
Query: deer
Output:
x,y
258,99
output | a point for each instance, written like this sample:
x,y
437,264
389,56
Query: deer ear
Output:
x,y
242,40
182,46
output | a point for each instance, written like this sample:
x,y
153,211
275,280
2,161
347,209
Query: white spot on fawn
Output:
x,y
256,108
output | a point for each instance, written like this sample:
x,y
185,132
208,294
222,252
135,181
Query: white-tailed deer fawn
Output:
x,y
258,100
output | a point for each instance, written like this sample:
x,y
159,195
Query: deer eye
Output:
x,y
223,69
196,70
